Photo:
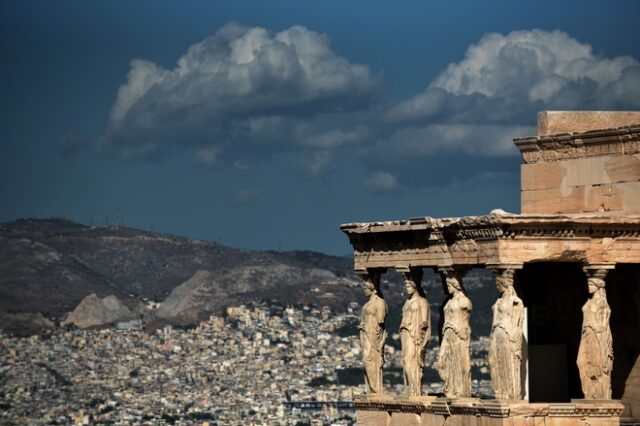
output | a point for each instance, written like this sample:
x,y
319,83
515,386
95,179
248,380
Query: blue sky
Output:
x,y
266,125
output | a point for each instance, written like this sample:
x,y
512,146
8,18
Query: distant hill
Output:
x,y
49,266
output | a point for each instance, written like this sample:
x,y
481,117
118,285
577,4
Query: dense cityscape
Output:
x,y
252,367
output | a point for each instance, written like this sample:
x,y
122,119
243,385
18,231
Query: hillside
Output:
x,y
49,266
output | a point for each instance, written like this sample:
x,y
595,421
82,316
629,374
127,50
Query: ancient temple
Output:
x,y
565,340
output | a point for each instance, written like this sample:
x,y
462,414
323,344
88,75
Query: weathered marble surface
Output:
x,y
454,359
595,354
373,333
415,332
554,122
505,352
373,410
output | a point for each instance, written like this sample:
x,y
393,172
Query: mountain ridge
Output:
x,y
49,266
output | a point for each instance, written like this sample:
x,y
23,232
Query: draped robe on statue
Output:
x,y
505,352
415,332
595,354
372,338
454,358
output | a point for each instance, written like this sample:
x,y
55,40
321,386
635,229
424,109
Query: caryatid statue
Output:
x,y
415,331
454,359
595,354
372,332
505,352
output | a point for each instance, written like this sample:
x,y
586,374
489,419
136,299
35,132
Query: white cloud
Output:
x,y
245,94
533,65
207,156
331,138
315,164
240,86
381,181
426,140
478,105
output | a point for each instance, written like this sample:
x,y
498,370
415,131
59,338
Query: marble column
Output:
x,y
454,359
415,330
595,354
505,351
372,331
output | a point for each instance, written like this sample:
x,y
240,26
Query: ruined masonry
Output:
x,y
565,340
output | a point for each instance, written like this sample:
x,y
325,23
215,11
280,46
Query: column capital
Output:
x,y
453,269
362,272
597,272
598,266
407,268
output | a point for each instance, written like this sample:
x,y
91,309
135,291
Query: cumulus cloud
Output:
x,y
207,156
315,164
525,70
468,138
536,66
479,105
380,182
245,94
240,90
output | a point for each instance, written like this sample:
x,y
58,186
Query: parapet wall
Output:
x,y
572,167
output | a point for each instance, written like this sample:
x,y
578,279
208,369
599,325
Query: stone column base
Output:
x,y
386,410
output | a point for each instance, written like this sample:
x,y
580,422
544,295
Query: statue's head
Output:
x,y
453,284
369,287
504,279
371,283
595,284
413,281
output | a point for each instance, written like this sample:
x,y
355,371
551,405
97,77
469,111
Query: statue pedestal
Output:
x,y
388,410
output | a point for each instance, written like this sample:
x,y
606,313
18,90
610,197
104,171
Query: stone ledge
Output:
x,y
554,122
566,146
486,407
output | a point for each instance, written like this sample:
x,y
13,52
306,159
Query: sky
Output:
x,y
266,125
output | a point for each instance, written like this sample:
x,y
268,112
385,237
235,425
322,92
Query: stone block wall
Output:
x,y
595,184
572,167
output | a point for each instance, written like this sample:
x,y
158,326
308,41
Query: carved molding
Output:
x,y
621,141
479,239
489,408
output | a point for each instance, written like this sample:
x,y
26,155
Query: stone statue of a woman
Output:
x,y
415,332
454,359
505,352
373,334
595,354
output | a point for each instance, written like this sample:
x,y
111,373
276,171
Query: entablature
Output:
x,y
494,239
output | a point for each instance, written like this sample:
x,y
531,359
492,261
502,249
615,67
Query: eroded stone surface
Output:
x,y
595,355
454,359
555,122
415,332
581,204
373,333
505,353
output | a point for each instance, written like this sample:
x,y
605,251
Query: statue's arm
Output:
x,y
381,311
426,320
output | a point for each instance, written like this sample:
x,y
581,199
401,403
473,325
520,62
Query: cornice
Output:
x,y
568,146
494,227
